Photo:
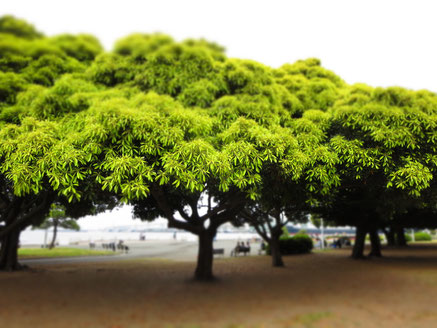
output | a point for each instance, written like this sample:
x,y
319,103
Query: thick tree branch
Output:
x,y
278,220
13,209
213,212
228,209
268,222
262,232
5,199
24,220
256,218
193,205
232,210
160,199
182,213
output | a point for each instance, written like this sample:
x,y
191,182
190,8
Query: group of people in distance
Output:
x,y
342,241
336,242
241,247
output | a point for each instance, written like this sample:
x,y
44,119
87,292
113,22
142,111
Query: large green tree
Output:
x,y
39,164
385,139
179,130
156,154
202,142
301,169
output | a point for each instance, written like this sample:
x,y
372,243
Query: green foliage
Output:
x,y
174,67
141,44
59,252
388,128
156,113
312,85
10,85
11,45
18,27
230,108
316,220
384,139
47,68
57,217
246,77
69,94
83,47
216,51
13,63
285,233
201,93
422,236
110,70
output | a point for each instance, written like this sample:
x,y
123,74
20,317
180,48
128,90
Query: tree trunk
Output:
x,y
390,236
205,257
55,232
375,243
9,252
360,239
400,237
276,252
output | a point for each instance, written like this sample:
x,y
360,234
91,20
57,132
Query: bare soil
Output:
x,y
326,289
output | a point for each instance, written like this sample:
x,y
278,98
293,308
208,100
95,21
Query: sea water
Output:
x,y
66,237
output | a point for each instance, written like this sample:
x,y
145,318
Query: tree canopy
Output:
x,y
179,130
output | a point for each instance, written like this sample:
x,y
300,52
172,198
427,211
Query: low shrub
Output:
x,y
418,236
422,236
298,244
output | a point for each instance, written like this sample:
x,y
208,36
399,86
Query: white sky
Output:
x,y
378,42
118,217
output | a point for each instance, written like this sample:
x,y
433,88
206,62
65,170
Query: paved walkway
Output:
x,y
166,249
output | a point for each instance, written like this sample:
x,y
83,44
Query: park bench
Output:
x,y
240,249
218,251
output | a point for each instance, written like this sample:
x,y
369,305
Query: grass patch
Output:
x,y
308,320
24,253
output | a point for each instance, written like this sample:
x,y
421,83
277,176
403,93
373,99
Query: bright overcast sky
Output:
x,y
380,43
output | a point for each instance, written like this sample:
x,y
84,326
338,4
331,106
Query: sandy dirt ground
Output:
x,y
326,289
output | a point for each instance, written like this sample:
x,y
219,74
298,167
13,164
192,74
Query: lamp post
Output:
x,y
45,237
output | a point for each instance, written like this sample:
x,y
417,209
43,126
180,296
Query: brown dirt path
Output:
x,y
318,290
